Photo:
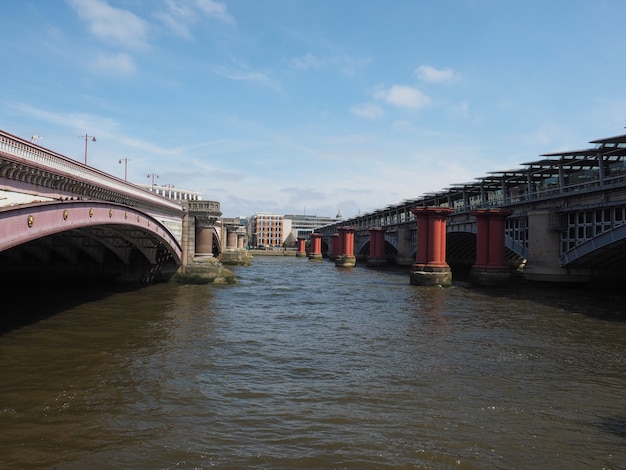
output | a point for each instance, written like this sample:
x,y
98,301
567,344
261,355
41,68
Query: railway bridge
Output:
x,y
560,218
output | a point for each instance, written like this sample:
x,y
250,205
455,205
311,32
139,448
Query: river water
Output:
x,y
303,365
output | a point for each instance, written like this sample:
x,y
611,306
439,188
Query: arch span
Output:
x,y
85,235
604,250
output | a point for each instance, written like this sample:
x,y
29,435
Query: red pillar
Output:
x,y
377,247
430,267
490,267
346,235
346,243
301,251
316,246
334,246
421,251
497,225
482,238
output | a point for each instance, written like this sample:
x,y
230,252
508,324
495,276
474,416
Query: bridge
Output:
x,y
561,218
63,220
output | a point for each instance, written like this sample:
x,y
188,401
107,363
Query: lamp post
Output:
x,y
93,139
153,175
125,160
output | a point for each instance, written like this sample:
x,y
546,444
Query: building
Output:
x,y
301,226
266,230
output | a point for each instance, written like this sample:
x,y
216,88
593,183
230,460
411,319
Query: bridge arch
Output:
x,y
108,237
602,249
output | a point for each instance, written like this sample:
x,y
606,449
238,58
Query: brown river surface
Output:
x,y
303,365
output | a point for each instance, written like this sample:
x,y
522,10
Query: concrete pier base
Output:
x,y
490,276
345,261
300,254
315,256
424,275
239,257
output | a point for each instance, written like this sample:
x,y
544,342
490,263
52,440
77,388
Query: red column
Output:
x,y
377,247
301,251
345,257
334,245
430,267
431,236
340,240
316,246
490,268
421,251
377,243
490,225
482,238
497,225
346,237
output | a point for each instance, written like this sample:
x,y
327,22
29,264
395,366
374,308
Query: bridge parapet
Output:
x,y
58,177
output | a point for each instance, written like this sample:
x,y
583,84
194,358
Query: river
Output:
x,y
303,365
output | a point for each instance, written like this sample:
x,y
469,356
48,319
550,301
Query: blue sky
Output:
x,y
312,106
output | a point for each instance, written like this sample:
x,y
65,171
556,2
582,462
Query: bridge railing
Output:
x,y
46,159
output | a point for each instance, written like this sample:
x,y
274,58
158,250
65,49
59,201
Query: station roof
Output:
x,y
618,139
611,148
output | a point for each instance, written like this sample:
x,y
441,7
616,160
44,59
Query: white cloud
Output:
x,y
430,74
402,96
309,61
462,109
112,24
367,110
248,76
214,9
118,64
181,15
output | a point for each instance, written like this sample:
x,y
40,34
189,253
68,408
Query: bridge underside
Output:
x,y
86,255
604,262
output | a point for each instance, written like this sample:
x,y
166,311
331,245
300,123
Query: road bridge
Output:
x,y
61,219
565,219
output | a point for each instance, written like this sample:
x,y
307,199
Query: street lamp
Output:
x,y
125,160
93,139
153,175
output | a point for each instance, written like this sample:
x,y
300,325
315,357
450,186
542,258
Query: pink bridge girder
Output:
x,y
22,224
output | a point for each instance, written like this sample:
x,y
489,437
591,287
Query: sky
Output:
x,y
312,106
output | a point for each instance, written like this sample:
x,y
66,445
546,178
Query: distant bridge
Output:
x,y
567,222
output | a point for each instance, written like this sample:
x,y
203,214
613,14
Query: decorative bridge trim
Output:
x,y
21,224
